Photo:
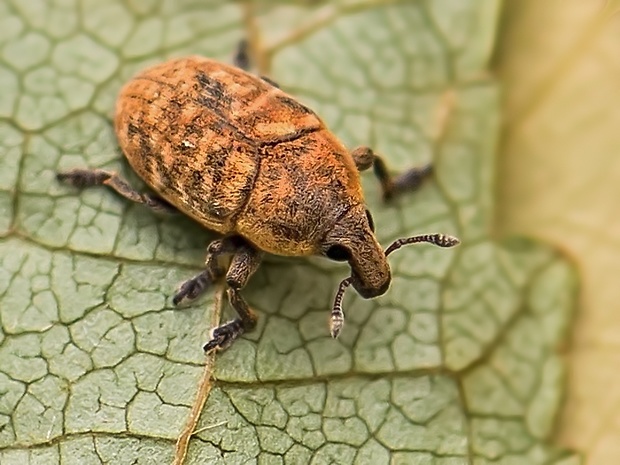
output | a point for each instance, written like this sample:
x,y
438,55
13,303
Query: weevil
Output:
x,y
243,158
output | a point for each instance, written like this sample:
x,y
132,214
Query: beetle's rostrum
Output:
x,y
243,158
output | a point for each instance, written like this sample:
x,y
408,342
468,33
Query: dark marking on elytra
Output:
x,y
142,98
213,89
295,105
132,130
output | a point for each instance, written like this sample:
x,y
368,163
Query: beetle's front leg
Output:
x,y
244,263
410,180
214,270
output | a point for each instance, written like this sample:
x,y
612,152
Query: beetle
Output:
x,y
243,158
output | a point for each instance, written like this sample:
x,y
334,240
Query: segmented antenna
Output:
x,y
439,240
337,317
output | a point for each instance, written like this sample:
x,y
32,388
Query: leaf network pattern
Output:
x,y
458,364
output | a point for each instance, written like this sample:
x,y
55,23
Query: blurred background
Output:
x,y
559,181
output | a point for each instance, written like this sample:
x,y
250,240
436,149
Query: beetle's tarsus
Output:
x,y
410,180
223,336
195,286
212,273
244,262
82,178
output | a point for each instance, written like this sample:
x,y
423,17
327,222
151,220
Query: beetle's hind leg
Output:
x,y
242,60
244,263
86,178
410,180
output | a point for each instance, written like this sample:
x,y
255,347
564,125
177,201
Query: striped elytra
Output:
x,y
236,153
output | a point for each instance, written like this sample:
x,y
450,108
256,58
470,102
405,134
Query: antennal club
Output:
x,y
337,315
337,318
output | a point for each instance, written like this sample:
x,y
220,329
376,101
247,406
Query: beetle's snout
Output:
x,y
353,239
368,291
370,272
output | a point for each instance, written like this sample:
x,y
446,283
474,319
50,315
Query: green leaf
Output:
x,y
458,363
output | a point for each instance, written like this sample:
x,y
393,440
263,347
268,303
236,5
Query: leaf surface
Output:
x,y
458,363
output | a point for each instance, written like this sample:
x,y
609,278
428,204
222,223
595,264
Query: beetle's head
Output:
x,y
352,239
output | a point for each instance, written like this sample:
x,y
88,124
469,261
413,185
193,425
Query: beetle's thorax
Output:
x,y
370,271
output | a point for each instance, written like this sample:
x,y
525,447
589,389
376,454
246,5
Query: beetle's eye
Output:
x,y
338,253
371,222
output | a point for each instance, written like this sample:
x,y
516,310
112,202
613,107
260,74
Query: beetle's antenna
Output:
x,y
440,240
337,317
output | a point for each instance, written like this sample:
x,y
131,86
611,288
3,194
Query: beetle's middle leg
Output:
x,y
243,264
410,180
214,270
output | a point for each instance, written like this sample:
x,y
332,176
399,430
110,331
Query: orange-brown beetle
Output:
x,y
244,159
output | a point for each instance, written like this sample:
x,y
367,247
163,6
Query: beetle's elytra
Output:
x,y
245,159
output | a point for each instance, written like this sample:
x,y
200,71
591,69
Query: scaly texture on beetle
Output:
x,y
236,154
243,158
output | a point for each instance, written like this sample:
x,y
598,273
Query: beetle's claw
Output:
x,y
213,344
193,287
223,336
187,291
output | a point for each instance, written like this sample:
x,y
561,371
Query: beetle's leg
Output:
x,y
242,60
86,178
244,263
270,81
410,180
213,271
